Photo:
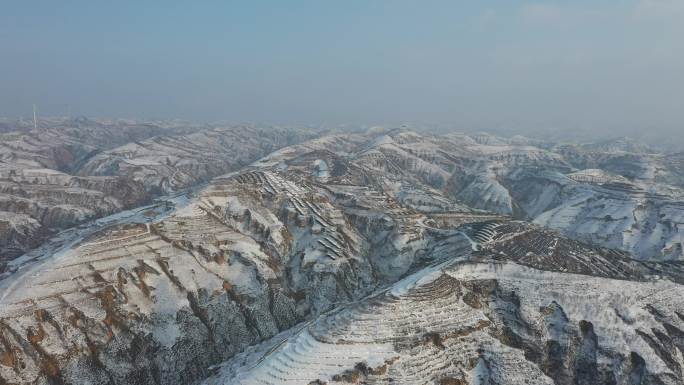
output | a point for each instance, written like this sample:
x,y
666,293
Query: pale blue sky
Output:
x,y
603,64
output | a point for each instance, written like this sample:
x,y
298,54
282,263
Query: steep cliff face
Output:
x,y
19,231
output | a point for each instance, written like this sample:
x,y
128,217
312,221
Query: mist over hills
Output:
x,y
167,252
331,193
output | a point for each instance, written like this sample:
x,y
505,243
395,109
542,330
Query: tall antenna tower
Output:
x,y
35,123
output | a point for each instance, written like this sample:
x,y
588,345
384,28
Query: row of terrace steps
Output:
x,y
303,358
331,344
546,250
73,276
387,319
331,241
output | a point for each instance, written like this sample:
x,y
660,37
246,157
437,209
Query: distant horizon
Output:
x,y
604,66
662,140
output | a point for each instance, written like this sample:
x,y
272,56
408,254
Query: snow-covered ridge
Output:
x,y
71,171
477,321
354,257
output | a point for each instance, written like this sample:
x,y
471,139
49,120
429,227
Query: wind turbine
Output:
x,y
35,123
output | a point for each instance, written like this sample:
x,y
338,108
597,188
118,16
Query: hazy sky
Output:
x,y
602,64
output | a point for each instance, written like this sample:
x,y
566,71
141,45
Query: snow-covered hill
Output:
x,y
507,314
70,171
380,257
158,296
